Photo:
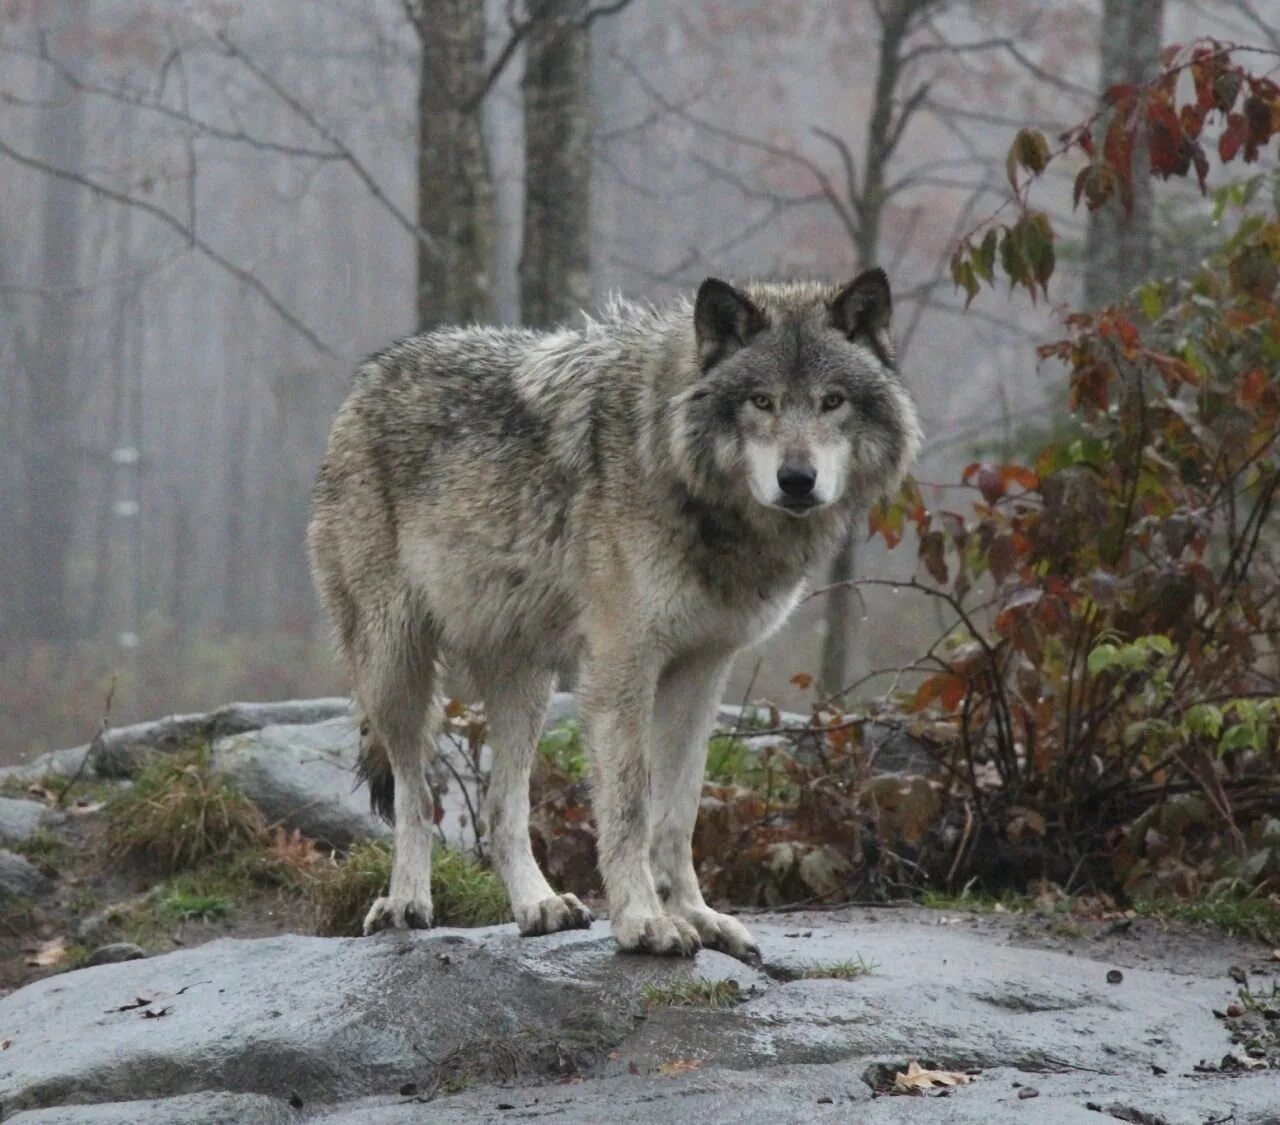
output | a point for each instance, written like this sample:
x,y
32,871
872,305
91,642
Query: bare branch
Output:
x,y
844,213
171,221
139,100
339,146
846,161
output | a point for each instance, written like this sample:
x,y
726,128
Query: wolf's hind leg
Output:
x,y
515,706
395,670
684,715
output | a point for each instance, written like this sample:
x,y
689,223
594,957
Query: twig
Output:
x,y
93,746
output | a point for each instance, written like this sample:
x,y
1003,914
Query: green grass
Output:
x,y
835,970
179,814
977,901
185,906
463,892
44,849
565,747
696,993
1257,918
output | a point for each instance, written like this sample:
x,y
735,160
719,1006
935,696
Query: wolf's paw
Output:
x,y
551,915
398,913
728,935
662,934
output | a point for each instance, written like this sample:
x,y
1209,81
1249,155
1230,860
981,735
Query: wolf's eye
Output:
x,y
833,401
762,402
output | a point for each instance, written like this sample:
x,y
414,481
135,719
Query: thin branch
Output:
x,y
843,212
171,221
339,146
138,100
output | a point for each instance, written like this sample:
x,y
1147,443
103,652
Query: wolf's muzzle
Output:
x,y
796,480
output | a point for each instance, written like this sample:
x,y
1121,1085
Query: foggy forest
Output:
x,y
213,211
1034,699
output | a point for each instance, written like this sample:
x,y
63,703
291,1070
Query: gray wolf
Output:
x,y
642,497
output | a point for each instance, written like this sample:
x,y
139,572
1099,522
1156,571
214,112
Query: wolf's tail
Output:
x,y
373,767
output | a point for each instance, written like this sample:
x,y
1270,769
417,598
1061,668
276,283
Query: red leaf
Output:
x,y
1253,385
990,483
802,680
1232,137
1002,559
953,692
1020,474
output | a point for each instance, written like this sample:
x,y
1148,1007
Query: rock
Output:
x,y
327,1019
20,878
56,763
189,1109
120,752
486,1026
304,777
113,953
20,820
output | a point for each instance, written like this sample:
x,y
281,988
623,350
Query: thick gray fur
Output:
x,y
643,497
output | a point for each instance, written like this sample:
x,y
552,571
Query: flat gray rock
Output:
x,y
303,775
189,1109
20,878
20,820
486,1026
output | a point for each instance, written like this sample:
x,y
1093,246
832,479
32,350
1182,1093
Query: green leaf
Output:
x,y
1206,719
1103,657
984,258
1151,297
1243,736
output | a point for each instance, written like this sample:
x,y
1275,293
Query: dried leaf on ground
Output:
x,y
679,1066
48,954
917,1078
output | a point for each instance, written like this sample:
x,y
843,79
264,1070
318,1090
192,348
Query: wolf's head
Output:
x,y
798,398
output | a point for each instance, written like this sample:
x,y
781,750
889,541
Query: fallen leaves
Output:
x,y
48,954
916,1079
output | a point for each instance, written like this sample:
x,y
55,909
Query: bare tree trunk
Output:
x,y
895,25
455,187
51,461
555,258
1119,249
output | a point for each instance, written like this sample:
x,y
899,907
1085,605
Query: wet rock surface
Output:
x,y
20,878
21,820
480,1025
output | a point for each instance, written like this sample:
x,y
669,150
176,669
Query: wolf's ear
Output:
x,y
861,309
724,320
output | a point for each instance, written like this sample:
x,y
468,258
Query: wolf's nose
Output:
x,y
796,479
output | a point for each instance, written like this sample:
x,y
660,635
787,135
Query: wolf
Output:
x,y
640,498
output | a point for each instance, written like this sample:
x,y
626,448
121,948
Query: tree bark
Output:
x,y
455,187
1119,248
555,258
895,25
52,437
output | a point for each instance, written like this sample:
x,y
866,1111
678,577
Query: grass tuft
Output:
x,y
835,970
463,893
1257,918
697,993
180,813
186,906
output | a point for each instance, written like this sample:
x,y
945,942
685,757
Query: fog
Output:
x,y
213,210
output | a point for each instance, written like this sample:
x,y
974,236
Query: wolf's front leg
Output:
x,y
617,704
684,714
